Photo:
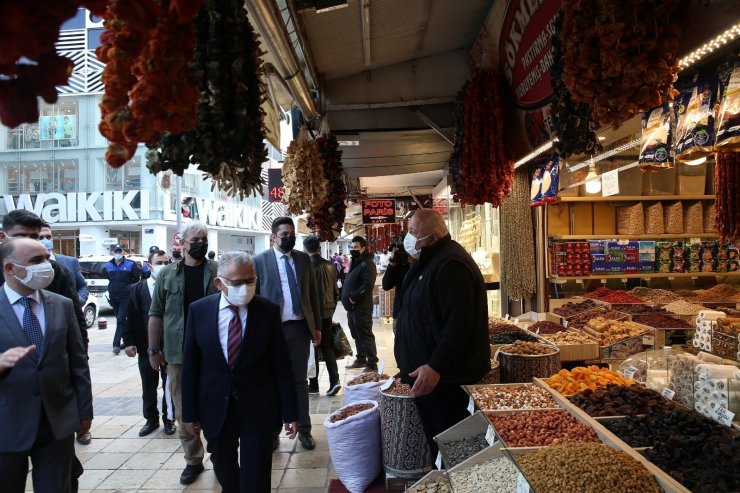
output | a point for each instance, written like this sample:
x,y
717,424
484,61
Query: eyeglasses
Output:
x,y
239,282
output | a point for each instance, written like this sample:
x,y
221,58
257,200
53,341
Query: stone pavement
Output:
x,y
118,460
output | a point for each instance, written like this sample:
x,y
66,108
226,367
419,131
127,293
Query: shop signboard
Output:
x,y
441,206
382,211
220,213
83,207
275,188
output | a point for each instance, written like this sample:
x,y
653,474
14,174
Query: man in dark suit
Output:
x,y
136,340
45,391
285,277
71,264
237,377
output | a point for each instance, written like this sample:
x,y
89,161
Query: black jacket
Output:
x,y
393,278
326,282
443,320
120,277
359,284
137,317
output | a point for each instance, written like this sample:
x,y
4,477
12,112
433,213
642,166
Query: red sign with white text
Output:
x,y
381,211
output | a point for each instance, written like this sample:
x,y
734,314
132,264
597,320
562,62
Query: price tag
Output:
x,y
625,281
526,327
723,416
521,484
629,372
471,406
695,240
610,183
490,435
668,393
648,340
387,384
565,324
381,366
538,331
438,462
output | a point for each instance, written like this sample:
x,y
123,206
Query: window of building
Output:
x,y
58,126
130,240
125,178
43,176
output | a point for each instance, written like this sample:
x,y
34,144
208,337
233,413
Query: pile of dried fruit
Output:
x,y
607,332
511,336
505,397
682,307
545,327
496,326
621,400
368,378
398,389
303,175
349,411
726,184
621,57
581,320
637,309
528,348
456,451
660,321
571,308
517,240
570,382
720,292
586,467
612,296
540,428
327,220
655,295
432,485
566,338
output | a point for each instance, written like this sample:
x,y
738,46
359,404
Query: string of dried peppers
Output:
x,y
303,176
227,143
620,57
485,169
453,162
727,197
328,219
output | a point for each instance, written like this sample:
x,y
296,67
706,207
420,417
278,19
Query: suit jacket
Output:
x,y
60,380
72,265
268,284
262,380
137,317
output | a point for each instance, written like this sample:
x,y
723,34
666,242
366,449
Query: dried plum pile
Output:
x,y
509,337
618,400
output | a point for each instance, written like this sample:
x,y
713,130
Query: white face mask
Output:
x,y
239,295
38,276
409,244
156,269
117,256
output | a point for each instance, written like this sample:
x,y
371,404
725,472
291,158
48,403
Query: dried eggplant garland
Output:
x,y
517,241
303,176
227,142
727,196
328,219
453,162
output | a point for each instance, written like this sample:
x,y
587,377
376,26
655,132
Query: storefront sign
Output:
x,y
379,211
275,188
83,207
525,50
442,206
218,213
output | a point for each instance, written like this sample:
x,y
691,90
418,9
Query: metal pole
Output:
x,y
178,202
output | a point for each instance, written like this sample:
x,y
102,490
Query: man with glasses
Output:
x,y
135,340
178,285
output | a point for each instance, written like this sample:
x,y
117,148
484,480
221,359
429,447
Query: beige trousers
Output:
x,y
191,444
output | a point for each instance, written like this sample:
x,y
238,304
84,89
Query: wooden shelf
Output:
x,y
708,236
647,275
635,198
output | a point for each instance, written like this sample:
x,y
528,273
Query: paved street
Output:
x,y
118,460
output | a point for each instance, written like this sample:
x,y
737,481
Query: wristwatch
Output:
x,y
153,350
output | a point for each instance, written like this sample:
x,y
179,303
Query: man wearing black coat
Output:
x,y
398,266
357,299
442,326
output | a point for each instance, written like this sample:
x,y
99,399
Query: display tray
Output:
x,y
432,475
491,453
623,348
665,481
474,424
578,352
469,390
661,336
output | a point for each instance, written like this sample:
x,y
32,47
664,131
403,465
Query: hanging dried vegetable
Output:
x,y
227,143
328,219
727,197
303,176
571,121
146,46
620,57
485,168
453,163
517,241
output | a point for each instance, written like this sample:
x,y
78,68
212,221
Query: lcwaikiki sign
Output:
x,y
118,206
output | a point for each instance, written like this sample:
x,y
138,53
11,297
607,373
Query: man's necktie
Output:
x,y
31,326
234,340
295,298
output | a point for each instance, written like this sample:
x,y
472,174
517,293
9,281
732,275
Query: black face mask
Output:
x,y
198,250
287,243
355,253
176,254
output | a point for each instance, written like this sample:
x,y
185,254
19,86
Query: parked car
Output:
x,y
91,310
93,270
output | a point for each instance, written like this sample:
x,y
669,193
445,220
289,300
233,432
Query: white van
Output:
x,y
93,270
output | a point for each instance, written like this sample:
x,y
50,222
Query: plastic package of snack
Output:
x,y
728,121
657,138
695,132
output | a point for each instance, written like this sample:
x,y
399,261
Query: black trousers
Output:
x,y
149,386
255,455
442,408
327,349
120,307
361,328
51,459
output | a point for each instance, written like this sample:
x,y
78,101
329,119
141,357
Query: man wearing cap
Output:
x,y
122,273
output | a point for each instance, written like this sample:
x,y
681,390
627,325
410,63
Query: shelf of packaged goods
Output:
x,y
647,275
635,198
703,236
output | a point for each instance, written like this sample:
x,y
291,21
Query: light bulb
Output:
x,y
695,162
593,186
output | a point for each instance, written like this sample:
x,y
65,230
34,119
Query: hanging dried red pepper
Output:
x,y
727,196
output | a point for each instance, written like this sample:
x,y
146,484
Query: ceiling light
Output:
x,y
348,143
544,147
696,162
601,137
710,47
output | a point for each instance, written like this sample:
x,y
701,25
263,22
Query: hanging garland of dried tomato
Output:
x,y
303,176
727,203
327,220
485,169
453,163
571,121
621,57
228,140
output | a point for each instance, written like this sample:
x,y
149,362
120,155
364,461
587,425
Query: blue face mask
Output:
x,y
48,244
117,256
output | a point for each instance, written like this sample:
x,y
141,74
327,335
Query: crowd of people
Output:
x,y
229,340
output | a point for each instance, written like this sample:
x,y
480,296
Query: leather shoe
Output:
x,y
148,427
169,427
191,473
84,439
370,369
359,363
307,441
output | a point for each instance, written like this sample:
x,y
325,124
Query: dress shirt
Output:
x,y
287,307
224,317
18,309
150,284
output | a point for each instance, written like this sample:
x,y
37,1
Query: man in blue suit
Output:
x,y
70,264
237,379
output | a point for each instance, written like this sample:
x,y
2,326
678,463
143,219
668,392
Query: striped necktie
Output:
x,y
234,341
